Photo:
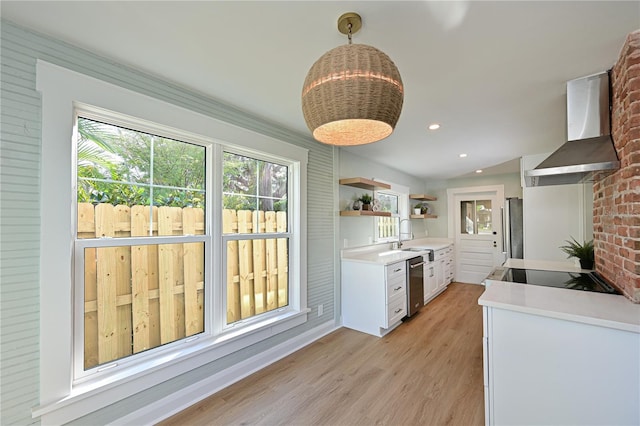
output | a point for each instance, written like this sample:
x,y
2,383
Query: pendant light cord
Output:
x,y
349,25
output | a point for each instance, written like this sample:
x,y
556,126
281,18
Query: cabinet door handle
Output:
x,y
398,310
431,269
397,270
397,288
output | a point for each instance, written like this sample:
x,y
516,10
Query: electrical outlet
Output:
x,y
320,310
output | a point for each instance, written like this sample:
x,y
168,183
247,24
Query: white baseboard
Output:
x,y
185,397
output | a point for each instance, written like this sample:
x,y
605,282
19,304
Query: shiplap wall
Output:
x,y
20,215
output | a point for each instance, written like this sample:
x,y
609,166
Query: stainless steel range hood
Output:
x,y
590,146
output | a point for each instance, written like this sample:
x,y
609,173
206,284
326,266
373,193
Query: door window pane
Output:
x,y
475,217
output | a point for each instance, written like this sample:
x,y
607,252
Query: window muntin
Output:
x,y
255,223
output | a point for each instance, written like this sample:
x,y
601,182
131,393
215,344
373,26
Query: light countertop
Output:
x,y
605,310
544,265
380,257
382,254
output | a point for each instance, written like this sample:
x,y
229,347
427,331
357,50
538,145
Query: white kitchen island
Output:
x,y
556,356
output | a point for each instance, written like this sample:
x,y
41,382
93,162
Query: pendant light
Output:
x,y
353,94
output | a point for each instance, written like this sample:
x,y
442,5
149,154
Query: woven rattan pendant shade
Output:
x,y
352,95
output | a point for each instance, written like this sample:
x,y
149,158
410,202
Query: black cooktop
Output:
x,y
590,281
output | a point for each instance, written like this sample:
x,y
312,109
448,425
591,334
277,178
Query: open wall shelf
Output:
x,y
363,213
423,216
364,183
422,197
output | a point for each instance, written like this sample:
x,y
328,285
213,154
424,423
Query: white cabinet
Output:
x,y
439,273
449,264
374,296
430,282
543,370
444,267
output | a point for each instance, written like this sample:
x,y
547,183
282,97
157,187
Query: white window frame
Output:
x,y
221,324
62,399
107,369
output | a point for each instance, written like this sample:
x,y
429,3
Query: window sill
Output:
x,y
90,396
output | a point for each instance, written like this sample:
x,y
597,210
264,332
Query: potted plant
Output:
x,y
366,201
584,252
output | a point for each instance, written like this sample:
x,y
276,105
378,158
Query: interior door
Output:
x,y
478,234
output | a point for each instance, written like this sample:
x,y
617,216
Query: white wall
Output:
x,y
554,214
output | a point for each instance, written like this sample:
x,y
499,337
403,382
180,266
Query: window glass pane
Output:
x,y
388,227
240,175
106,220
140,297
135,171
177,164
250,184
467,217
388,202
483,217
257,277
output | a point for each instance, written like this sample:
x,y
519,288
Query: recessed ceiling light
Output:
x,y
478,171
462,155
434,126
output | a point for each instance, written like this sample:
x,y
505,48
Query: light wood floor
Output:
x,y
428,371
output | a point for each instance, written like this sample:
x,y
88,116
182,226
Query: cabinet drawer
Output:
x,y
396,311
396,270
395,292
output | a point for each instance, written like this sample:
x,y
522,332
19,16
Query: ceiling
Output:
x,y
491,73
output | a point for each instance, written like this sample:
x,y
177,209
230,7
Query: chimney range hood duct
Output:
x,y
590,146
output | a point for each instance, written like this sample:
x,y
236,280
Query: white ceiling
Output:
x,y
491,73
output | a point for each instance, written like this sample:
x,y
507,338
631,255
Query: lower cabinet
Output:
x,y
374,296
449,267
430,283
541,370
439,273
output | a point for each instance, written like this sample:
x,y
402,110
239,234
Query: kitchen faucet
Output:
x,y
400,232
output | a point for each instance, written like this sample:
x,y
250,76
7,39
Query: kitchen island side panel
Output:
x,y
363,297
551,371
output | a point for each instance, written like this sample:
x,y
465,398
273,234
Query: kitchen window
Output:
x,y
140,241
396,202
133,247
256,236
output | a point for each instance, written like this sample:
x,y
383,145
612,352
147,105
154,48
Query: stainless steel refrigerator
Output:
x,y
512,245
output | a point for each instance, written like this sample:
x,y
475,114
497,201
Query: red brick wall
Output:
x,y
616,207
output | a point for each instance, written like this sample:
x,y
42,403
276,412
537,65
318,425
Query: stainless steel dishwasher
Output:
x,y
415,286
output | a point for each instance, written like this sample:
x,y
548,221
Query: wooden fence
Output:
x,y
141,297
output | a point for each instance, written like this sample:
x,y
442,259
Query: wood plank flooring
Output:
x,y
428,371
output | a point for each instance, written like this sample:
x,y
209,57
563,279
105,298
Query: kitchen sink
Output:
x,y
386,253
